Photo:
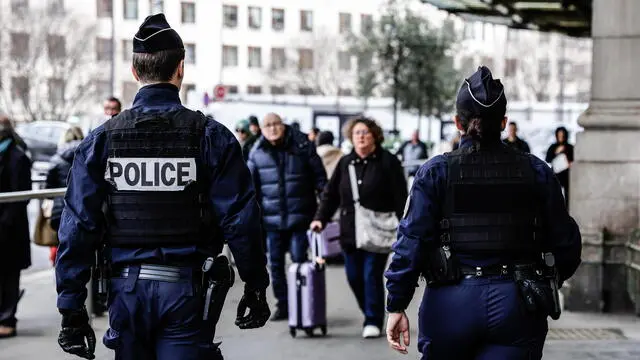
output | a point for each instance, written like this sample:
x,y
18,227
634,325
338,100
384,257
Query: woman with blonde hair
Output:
x,y
382,187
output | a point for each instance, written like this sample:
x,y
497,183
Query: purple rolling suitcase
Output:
x,y
308,294
329,240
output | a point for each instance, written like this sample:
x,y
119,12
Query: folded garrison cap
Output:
x,y
155,35
481,95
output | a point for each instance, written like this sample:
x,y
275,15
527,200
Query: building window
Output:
x,y
277,19
469,30
19,45
345,23
103,49
56,91
19,7
129,90
188,13
103,89
344,92
364,62
252,89
232,89
229,56
186,91
56,47
511,66
104,8
190,53
230,13
306,20
366,24
344,60
305,59
255,57
20,88
277,90
305,91
487,61
130,9
156,6
545,38
55,7
127,50
278,58
255,17
544,70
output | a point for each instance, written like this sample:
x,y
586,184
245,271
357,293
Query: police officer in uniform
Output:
x,y
487,227
162,187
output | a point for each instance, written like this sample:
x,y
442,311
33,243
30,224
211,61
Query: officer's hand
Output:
x,y
397,326
256,302
316,226
75,328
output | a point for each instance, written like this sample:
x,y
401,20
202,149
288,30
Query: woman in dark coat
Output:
x,y
382,187
561,146
15,175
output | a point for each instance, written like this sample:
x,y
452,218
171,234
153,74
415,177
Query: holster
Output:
x,y
538,288
443,268
218,277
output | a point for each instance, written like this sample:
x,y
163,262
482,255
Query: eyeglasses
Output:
x,y
275,124
362,132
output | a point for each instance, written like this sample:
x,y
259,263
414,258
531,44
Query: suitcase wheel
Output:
x,y
323,328
292,331
309,332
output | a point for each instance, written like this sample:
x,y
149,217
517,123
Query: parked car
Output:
x,y
42,137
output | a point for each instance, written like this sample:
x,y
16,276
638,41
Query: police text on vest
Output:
x,y
151,174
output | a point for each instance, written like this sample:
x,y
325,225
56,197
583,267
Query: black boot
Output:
x,y
281,313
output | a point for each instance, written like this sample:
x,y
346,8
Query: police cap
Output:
x,y
155,35
481,95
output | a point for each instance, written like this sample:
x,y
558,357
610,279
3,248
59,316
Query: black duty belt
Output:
x,y
157,272
480,271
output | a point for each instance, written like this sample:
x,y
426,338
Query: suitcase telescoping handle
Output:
x,y
316,249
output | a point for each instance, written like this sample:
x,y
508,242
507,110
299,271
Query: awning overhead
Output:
x,y
570,17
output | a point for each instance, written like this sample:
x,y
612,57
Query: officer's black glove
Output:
x,y
256,302
75,328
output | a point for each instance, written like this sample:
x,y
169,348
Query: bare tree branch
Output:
x,y
58,66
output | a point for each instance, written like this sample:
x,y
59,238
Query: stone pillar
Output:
x,y
605,177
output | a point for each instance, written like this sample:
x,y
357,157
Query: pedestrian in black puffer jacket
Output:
x,y
57,175
288,175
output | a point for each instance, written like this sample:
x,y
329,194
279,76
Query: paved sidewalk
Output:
x,y
39,324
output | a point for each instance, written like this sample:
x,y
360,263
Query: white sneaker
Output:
x,y
370,332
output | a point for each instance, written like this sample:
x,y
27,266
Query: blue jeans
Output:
x,y
278,243
479,319
364,273
158,320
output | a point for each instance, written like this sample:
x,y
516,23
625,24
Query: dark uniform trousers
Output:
x,y
158,320
482,318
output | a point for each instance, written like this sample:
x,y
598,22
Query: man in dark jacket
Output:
x,y
287,173
413,149
513,141
15,175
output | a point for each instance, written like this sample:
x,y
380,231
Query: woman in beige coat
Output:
x,y
329,154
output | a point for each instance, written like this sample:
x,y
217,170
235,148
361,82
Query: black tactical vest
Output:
x,y
152,167
491,205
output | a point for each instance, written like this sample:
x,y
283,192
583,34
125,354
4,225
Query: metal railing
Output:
x,y
15,196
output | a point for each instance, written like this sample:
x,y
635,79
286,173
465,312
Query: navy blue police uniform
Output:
x,y
488,207
163,187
